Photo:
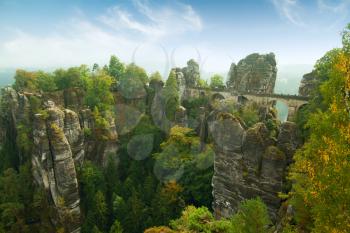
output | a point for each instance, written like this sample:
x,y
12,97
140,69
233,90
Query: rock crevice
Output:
x,y
248,163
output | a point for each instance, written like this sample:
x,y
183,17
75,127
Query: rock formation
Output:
x,y
158,106
248,163
187,77
191,73
308,84
256,73
57,144
56,148
181,81
181,116
55,136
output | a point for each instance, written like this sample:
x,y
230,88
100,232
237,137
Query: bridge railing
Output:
x,y
282,96
233,93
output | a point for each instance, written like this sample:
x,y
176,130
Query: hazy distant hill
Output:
x,y
6,77
289,76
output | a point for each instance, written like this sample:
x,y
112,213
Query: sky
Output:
x,y
160,34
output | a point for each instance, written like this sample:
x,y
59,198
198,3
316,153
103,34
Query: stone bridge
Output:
x,y
294,102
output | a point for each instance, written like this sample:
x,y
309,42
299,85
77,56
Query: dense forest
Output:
x,y
160,178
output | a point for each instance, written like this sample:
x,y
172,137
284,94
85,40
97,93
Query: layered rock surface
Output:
x,y
308,84
256,73
159,103
55,136
248,163
58,145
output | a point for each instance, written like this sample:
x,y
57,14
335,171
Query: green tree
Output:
x,y
115,68
132,84
171,96
135,217
155,76
120,208
73,77
46,81
116,227
98,92
217,82
195,220
252,217
100,210
191,73
320,174
95,67
202,84
95,230
91,181
133,71
20,203
25,81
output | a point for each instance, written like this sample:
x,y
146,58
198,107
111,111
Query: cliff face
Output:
x,y
57,146
255,73
248,163
159,103
308,84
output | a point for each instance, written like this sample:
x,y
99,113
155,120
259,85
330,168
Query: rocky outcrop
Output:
x,y
308,84
187,77
109,147
248,163
73,98
256,73
289,140
181,116
56,141
99,143
191,73
51,153
159,103
157,108
53,160
74,134
181,81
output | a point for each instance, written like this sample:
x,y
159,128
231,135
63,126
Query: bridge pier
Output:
x,y
292,110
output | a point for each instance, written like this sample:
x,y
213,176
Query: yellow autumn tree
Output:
x,y
321,173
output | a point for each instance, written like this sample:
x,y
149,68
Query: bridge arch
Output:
x,y
282,110
241,99
294,102
217,96
302,106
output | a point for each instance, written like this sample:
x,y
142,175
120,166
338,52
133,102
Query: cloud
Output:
x,y
81,39
340,10
314,15
290,10
159,21
340,7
